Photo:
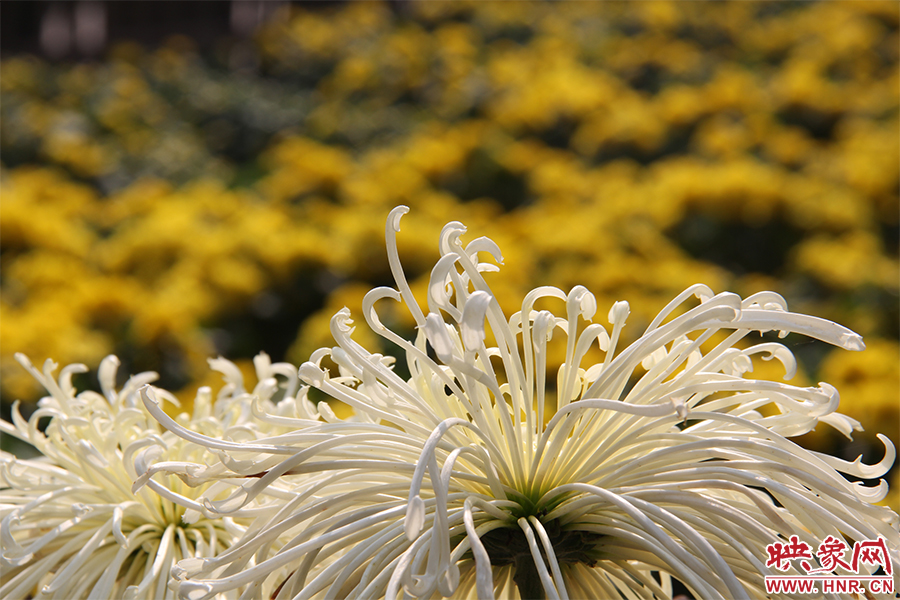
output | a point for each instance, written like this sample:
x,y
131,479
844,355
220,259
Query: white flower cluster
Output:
x,y
477,475
72,524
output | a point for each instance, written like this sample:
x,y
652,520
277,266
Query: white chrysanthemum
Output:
x,y
470,479
71,525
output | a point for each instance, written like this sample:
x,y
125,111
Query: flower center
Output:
x,y
508,546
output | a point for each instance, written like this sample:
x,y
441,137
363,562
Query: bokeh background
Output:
x,y
186,179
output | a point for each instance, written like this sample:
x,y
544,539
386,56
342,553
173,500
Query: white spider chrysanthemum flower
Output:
x,y
470,479
71,525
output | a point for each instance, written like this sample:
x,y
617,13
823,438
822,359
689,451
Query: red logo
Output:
x,y
831,555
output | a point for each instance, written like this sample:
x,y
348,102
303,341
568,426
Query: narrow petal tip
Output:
x,y
415,517
187,567
394,216
619,312
852,341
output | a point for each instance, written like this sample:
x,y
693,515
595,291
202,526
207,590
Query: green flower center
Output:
x,y
508,546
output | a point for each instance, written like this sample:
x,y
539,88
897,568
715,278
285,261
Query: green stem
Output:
x,y
527,579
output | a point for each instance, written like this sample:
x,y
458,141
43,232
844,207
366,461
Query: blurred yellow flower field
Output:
x,y
158,206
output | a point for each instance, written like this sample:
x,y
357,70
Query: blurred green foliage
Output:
x,y
167,205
